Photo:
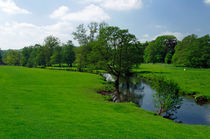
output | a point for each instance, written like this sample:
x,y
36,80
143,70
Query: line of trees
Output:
x,y
191,51
52,52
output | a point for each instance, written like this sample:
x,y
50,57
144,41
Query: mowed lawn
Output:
x,y
38,103
191,80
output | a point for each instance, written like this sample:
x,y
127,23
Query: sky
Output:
x,y
27,22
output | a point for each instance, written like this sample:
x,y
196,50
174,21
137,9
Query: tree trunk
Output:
x,y
128,83
117,82
128,89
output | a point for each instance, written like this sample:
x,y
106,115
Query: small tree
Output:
x,y
167,99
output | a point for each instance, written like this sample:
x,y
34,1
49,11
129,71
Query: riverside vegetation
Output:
x,y
191,81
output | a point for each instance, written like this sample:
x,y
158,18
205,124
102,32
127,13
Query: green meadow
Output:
x,y
41,103
190,81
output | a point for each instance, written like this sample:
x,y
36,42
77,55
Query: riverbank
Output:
x,y
191,81
142,92
38,103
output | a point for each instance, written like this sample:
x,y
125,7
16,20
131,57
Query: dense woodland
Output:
x,y
107,47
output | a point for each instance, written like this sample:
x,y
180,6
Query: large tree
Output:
x,y
56,58
41,55
50,43
160,50
86,36
68,53
117,50
1,62
193,52
25,55
12,57
33,61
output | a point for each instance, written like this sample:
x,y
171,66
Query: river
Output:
x,y
141,93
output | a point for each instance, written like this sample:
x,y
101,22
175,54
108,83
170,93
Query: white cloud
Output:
x,y
10,7
122,4
18,35
178,35
207,1
61,11
89,13
119,5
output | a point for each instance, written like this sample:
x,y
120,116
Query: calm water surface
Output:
x,y
142,94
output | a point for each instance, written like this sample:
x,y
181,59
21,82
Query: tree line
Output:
x,y
52,52
191,51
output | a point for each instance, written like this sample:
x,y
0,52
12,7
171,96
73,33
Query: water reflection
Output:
x,y
141,94
188,112
132,92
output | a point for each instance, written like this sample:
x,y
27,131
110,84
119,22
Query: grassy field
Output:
x,y
40,103
191,80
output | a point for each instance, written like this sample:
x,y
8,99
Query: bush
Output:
x,y
167,99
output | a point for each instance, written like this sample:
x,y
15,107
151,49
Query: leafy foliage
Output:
x,y
87,38
42,55
68,54
117,50
102,45
56,58
160,50
1,62
12,57
167,99
193,52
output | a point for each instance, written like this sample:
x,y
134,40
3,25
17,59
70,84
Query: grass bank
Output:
x,y
190,81
38,103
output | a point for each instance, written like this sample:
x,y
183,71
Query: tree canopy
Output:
x,y
193,52
160,50
110,48
117,50
1,62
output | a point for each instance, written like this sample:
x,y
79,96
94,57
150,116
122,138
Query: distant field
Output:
x,y
41,103
191,80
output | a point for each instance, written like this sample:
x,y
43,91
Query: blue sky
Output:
x,y
26,22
